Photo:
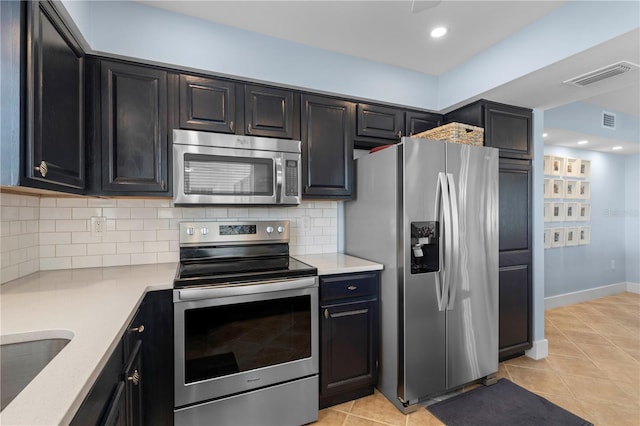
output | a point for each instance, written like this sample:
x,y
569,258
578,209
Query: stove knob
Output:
x,y
204,231
280,229
269,229
189,231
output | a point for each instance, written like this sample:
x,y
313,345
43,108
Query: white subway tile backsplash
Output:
x,y
71,225
130,202
63,250
55,238
144,258
51,263
41,233
85,212
55,213
71,202
100,249
86,261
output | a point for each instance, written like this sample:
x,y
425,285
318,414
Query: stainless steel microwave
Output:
x,y
216,168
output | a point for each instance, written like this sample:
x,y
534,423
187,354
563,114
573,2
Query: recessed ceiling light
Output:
x,y
583,142
544,135
438,32
616,148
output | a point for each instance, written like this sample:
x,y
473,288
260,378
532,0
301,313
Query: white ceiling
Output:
x,y
389,32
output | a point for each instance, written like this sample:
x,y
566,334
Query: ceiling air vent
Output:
x,y
608,120
601,73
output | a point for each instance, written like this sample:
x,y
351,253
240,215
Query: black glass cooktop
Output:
x,y
227,265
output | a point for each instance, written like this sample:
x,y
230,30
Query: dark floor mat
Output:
x,y
501,404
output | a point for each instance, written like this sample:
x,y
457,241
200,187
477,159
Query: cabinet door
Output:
x,y
157,357
515,257
509,129
271,112
416,122
55,103
133,386
348,346
134,129
380,122
327,147
207,104
117,412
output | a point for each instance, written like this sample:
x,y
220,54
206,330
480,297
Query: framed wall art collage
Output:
x,y
567,195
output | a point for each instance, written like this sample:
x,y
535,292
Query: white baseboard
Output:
x,y
589,294
539,350
633,287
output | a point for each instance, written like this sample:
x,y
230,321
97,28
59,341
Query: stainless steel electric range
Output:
x,y
246,327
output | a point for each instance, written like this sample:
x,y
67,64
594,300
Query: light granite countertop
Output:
x,y
338,263
92,306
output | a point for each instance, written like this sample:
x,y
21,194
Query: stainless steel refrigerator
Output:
x,y
428,211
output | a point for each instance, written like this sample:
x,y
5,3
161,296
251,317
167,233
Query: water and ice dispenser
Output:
x,y
425,243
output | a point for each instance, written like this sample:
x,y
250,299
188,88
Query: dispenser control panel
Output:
x,y
425,252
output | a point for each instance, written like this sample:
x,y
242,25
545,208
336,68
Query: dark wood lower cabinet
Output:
x,y
136,385
515,325
348,336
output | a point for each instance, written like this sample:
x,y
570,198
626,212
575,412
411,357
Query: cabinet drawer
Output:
x,y
348,286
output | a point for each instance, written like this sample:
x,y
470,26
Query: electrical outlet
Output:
x,y
98,226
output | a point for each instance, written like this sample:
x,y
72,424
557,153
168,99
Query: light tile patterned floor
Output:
x,y
593,369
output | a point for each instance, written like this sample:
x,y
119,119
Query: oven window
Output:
x,y
222,340
216,175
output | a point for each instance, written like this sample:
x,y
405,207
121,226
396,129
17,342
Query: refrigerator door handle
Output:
x,y
455,236
443,213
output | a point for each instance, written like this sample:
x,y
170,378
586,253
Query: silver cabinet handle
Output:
x,y
249,128
138,329
326,314
352,287
231,125
42,168
399,134
135,377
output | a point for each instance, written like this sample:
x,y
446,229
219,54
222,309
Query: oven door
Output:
x,y
232,339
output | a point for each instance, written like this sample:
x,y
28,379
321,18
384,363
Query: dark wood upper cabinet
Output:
x,y
134,129
417,122
327,147
509,129
271,112
55,142
207,104
506,127
380,122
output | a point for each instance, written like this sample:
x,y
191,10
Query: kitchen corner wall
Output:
x,y
44,233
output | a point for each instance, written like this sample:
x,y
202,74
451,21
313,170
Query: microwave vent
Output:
x,y
608,120
601,74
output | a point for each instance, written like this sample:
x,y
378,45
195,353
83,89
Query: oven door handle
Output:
x,y
243,289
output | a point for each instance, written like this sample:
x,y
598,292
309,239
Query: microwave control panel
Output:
x,y
291,178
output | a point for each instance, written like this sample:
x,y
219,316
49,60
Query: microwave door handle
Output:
x,y
279,179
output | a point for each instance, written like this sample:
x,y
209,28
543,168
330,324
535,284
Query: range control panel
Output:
x,y
200,233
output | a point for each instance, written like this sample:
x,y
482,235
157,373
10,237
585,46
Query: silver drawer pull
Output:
x,y
42,168
134,378
352,287
139,329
